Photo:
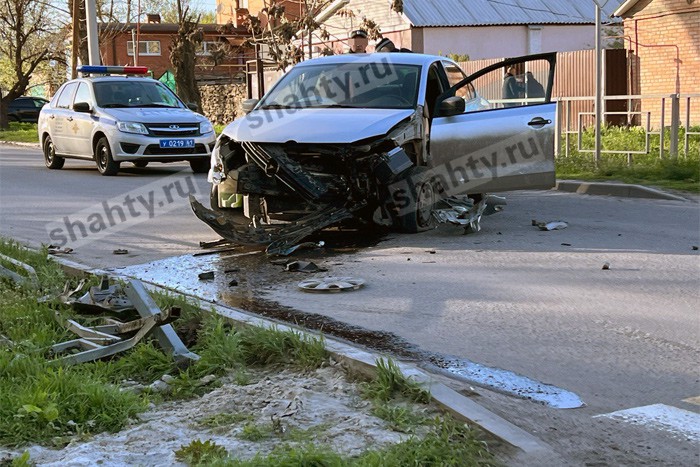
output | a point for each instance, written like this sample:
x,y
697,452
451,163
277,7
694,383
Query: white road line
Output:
x,y
661,417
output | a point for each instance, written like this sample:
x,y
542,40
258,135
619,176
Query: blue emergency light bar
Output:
x,y
119,70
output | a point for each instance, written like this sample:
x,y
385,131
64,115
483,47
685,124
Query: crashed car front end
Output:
x,y
290,190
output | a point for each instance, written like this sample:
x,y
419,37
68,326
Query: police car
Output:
x,y
115,114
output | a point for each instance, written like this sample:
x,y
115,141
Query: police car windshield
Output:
x,y
132,93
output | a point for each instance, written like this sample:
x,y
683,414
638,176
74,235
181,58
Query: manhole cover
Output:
x,y
331,284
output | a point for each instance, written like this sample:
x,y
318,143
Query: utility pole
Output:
x,y
598,84
93,46
76,40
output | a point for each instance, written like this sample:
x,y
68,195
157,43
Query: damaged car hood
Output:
x,y
319,126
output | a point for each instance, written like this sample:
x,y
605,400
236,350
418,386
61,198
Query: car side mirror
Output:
x,y
193,107
83,107
452,106
249,104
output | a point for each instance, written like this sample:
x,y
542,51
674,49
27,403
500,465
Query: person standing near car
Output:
x,y
533,88
358,42
511,88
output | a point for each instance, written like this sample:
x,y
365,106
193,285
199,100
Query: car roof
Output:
x,y
398,58
99,79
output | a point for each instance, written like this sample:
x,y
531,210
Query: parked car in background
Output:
x,y
25,109
122,117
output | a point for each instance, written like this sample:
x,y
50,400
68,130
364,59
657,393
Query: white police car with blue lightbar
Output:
x,y
114,114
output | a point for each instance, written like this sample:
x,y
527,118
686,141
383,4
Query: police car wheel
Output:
x,y
51,160
200,166
103,157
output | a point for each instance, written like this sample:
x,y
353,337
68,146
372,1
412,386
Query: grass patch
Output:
x,y
448,443
201,453
255,432
391,383
682,173
20,132
399,418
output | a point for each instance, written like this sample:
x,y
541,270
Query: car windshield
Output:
x,y
133,93
378,85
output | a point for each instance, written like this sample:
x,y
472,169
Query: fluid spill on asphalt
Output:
x,y
253,275
506,382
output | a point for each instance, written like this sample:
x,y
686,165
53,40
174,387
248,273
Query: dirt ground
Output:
x,y
322,402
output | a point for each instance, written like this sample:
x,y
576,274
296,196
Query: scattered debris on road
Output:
x,y
554,225
305,245
121,251
695,248
331,284
57,250
303,266
606,266
206,276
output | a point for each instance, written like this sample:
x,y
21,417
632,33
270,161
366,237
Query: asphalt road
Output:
x,y
510,297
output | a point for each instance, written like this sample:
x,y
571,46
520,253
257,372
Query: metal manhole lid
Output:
x,y
331,284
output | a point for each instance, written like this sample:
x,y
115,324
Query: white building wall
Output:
x,y
506,41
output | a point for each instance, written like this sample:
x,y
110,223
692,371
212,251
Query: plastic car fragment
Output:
x,y
554,225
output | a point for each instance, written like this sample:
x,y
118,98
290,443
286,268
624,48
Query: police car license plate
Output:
x,y
176,143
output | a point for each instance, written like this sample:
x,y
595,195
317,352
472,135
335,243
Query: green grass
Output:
x,y
44,402
391,383
200,453
447,443
20,132
682,173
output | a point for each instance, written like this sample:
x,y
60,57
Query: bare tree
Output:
x,y
183,54
282,35
29,37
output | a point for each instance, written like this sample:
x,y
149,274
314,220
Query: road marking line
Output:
x,y
661,417
693,400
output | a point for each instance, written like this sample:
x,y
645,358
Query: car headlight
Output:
x,y
205,127
132,127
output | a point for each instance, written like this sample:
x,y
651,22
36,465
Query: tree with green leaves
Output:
x,y
30,36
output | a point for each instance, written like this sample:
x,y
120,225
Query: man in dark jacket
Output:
x,y
533,88
511,88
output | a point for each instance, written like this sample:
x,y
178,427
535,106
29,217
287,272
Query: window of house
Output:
x,y
206,47
145,47
242,3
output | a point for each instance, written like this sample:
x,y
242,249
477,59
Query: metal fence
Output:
x,y
651,112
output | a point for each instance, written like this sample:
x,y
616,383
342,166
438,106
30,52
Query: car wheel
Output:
x,y
103,157
200,166
140,164
51,160
416,213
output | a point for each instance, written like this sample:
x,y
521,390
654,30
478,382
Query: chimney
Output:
x,y
153,18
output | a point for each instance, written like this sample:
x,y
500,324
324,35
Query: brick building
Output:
x,y
236,11
155,40
663,42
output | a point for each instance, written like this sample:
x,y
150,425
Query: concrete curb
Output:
x,y
614,189
21,144
364,363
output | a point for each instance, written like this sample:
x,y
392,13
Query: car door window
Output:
x,y
83,94
433,89
66,98
516,84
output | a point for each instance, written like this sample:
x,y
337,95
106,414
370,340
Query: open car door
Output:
x,y
507,141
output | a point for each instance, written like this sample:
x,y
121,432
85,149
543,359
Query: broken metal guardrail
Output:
x,y
104,340
32,279
91,340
